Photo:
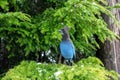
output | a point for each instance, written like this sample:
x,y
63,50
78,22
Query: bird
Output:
x,y
67,48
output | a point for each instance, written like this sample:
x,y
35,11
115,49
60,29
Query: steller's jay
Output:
x,y
66,46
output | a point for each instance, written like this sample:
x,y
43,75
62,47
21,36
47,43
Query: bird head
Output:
x,y
64,32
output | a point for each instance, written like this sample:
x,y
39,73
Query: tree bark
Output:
x,y
110,51
3,56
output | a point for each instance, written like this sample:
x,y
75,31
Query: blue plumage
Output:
x,y
67,49
66,46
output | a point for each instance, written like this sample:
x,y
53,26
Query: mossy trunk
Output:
x,y
110,51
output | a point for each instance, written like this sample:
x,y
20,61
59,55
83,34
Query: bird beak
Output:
x,y
60,31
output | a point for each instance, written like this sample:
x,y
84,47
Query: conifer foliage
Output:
x,y
28,32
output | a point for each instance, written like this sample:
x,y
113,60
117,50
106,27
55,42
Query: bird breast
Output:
x,y
67,50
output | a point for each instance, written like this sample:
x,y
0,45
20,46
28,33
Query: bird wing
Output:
x,y
67,49
73,49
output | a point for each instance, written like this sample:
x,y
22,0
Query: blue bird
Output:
x,y
66,46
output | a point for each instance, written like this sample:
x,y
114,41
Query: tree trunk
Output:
x,y
110,51
3,56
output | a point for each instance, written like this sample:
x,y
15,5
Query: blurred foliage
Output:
x,y
86,69
84,20
17,30
57,3
29,28
4,5
115,6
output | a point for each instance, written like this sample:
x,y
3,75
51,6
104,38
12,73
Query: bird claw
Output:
x,y
68,62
